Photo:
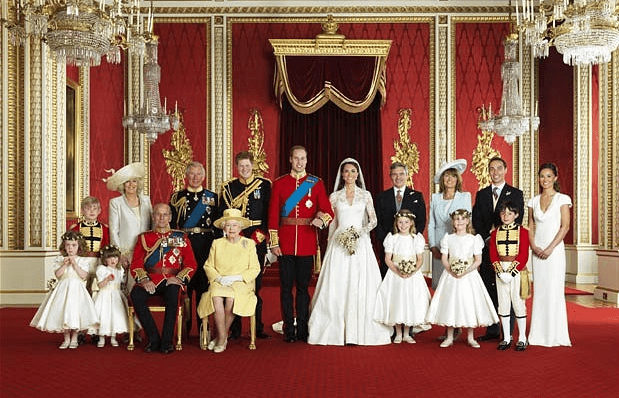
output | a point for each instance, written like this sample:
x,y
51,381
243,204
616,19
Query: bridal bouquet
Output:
x,y
348,239
406,267
459,266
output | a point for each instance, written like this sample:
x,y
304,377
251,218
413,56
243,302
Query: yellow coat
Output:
x,y
227,258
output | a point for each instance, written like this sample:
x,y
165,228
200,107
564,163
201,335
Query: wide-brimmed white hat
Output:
x,y
459,165
232,214
132,171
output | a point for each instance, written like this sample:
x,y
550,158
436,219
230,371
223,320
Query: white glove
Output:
x,y
506,277
228,280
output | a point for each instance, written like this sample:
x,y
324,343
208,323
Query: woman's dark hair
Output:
x,y
356,166
552,167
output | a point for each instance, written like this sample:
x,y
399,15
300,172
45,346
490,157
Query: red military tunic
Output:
x,y
178,261
96,233
511,245
294,234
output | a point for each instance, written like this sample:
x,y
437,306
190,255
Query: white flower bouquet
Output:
x,y
348,239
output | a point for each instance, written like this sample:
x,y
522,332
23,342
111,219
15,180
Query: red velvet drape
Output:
x,y
330,135
352,76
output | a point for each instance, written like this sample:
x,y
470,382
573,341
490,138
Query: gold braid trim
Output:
x,y
184,275
513,268
498,268
140,275
242,200
326,219
179,205
273,238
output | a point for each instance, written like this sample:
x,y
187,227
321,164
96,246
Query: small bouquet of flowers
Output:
x,y
406,267
459,266
348,239
50,284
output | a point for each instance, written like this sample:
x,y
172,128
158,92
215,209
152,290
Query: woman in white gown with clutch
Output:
x,y
549,221
343,305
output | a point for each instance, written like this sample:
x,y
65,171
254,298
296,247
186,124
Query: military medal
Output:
x,y
195,196
309,204
257,194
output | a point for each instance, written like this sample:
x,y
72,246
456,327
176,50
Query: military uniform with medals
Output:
x,y
251,197
291,211
193,212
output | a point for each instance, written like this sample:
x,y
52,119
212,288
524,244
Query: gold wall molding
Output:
x,y
270,10
441,99
481,157
34,134
406,152
220,137
255,143
83,129
178,158
582,155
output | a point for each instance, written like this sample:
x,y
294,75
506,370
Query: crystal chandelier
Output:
x,y
510,122
79,32
152,119
586,32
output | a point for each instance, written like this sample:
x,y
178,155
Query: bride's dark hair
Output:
x,y
356,166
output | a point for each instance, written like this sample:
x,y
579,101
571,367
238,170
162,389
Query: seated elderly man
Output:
x,y
232,267
163,264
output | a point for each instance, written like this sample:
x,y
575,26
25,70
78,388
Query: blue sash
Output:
x,y
198,211
156,254
298,194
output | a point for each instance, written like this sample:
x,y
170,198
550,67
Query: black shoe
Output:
x,y
489,337
94,339
167,349
234,336
151,347
504,345
522,345
302,338
290,338
262,335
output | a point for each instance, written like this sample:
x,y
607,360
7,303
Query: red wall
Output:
x,y
106,130
407,84
556,113
479,55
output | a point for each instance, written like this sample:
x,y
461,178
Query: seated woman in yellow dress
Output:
x,y
232,267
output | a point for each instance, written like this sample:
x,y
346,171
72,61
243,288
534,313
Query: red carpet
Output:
x,y
32,366
575,292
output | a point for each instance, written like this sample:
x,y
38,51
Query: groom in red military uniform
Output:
x,y
299,204
163,264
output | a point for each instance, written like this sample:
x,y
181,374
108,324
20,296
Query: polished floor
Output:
x,y
587,300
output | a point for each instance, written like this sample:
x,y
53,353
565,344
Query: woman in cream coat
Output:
x,y
449,198
130,213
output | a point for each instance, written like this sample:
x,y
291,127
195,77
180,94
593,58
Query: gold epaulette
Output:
x,y
326,219
498,268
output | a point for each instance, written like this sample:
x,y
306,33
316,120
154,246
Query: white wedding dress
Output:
x,y
343,305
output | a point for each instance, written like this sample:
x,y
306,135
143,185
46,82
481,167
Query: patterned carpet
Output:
x,y
32,366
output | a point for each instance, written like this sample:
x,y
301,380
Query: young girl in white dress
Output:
x,y
68,307
110,302
403,297
461,299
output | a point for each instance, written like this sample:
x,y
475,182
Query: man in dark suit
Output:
x,y
389,202
486,217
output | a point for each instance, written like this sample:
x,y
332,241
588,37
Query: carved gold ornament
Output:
x,y
256,142
178,159
406,152
483,153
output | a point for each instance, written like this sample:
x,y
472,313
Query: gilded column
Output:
x,y
222,108
83,129
608,183
443,92
581,258
525,150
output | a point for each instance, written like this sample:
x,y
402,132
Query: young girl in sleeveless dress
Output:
x,y
461,300
110,302
68,307
403,297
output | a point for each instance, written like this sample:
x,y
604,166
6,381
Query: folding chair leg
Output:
x,y
205,334
179,328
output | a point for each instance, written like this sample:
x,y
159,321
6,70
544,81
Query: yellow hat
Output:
x,y
232,214
132,171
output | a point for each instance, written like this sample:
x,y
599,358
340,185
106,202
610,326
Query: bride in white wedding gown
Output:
x,y
343,305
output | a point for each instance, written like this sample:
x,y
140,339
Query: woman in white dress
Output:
x,y
343,305
130,213
549,221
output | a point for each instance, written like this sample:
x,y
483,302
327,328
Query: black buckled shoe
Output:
x,y
262,335
151,347
504,345
522,345
167,349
